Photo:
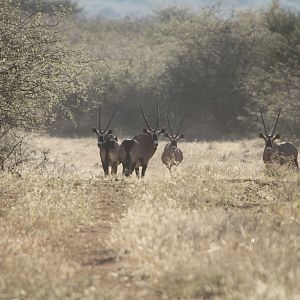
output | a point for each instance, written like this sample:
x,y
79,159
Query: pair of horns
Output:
x,y
263,121
147,123
106,128
179,127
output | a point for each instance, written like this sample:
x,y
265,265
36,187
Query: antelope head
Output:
x,y
106,134
269,138
174,138
154,132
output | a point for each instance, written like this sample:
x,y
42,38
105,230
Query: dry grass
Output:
x,y
38,216
221,227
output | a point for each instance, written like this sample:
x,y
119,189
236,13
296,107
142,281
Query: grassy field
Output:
x,y
221,226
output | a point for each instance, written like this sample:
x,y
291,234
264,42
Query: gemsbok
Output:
x,y
148,142
128,155
108,145
172,155
135,153
282,153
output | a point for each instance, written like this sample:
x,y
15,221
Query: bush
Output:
x,y
37,71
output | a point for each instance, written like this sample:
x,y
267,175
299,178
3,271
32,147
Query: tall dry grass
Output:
x,y
39,214
219,227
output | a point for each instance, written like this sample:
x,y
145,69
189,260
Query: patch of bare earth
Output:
x,y
88,245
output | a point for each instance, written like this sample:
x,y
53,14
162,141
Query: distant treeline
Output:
x,y
216,70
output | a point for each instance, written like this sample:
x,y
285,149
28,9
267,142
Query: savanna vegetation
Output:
x,y
216,69
221,226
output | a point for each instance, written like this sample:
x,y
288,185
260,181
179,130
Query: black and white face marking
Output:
x,y
154,135
155,139
154,132
269,144
174,143
101,139
103,136
174,140
269,138
269,141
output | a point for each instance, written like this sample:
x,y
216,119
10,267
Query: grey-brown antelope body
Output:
x,y
282,153
108,145
128,155
172,155
137,152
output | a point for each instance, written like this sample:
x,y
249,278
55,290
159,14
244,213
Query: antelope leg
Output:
x,y
144,167
105,166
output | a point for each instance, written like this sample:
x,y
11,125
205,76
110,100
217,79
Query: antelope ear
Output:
x,y
109,131
277,136
166,135
261,135
181,137
145,130
95,131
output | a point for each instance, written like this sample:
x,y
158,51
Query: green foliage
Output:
x,y
216,70
192,63
48,6
205,73
274,83
37,70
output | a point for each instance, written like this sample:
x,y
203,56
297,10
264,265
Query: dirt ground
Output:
x,y
88,245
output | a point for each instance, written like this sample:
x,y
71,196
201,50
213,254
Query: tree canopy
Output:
x,y
48,6
217,70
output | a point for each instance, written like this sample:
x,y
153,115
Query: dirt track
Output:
x,y
88,246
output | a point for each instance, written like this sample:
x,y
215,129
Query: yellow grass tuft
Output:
x,y
218,227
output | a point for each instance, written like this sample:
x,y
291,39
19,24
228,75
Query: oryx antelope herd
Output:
x,y
136,152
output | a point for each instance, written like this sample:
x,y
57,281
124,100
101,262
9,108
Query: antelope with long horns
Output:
x,y
142,147
282,153
172,155
148,142
108,145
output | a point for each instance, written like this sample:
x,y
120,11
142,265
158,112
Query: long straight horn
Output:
x,y
180,125
110,119
276,121
263,120
99,120
157,118
169,124
145,118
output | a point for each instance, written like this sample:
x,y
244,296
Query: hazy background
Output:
x,y
140,8
217,65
